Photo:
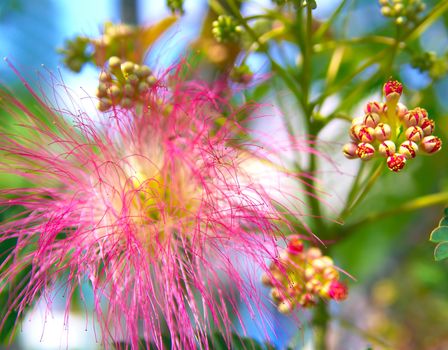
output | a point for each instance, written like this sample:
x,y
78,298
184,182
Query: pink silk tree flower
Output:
x,y
151,205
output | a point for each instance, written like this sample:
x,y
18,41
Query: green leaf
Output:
x,y
446,212
441,251
444,221
440,234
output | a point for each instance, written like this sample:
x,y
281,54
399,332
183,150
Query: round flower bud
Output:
x,y
392,90
415,117
414,133
105,77
114,92
128,67
431,144
338,291
354,130
143,71
371,119
382,132
114,62
401,110
366,134
314,253
427,126
285,307
396,162
386,148
409,149
365,151
373,107
411,119
295,245
421,112
266,280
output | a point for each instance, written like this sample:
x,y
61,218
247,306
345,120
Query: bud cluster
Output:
x,y
437,67
123,84
176,6
392,131
226,29
76,53
403,11
301,276
241,74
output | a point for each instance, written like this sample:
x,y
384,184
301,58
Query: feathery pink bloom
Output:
x,y
152,206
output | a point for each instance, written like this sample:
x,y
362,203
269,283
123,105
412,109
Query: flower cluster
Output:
x,y
152,207
403,11
123,84
226,29
300,276
122,40
392,131
176,6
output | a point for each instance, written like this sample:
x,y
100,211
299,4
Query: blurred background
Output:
x,y
399,294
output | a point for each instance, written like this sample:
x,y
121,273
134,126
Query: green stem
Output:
x,y
371,180
321,317
418,203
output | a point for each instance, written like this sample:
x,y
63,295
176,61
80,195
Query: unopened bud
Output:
x,y
396,162
409,149
349,150
366,134
427,126
365,151
373,107
114,62
401,110
338,291
295,245
414,133
431,144
371,120
392,90
383,132
386,148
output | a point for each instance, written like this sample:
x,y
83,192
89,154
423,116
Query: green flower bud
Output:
x,y
128,90
128,67
114,62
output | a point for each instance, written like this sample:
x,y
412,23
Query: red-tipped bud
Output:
x,y
427,126
396,162
409,149
349,150
371,120
338,291
421,112
401,110
373,107
411,119
386,148
431,144
366,134
414,133
295,245
392,87
354,130
382,132
365,151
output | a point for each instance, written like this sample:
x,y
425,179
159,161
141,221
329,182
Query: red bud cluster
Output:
x,y
392,131
301,276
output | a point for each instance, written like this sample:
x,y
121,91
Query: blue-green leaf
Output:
x,y
440,234
441,251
